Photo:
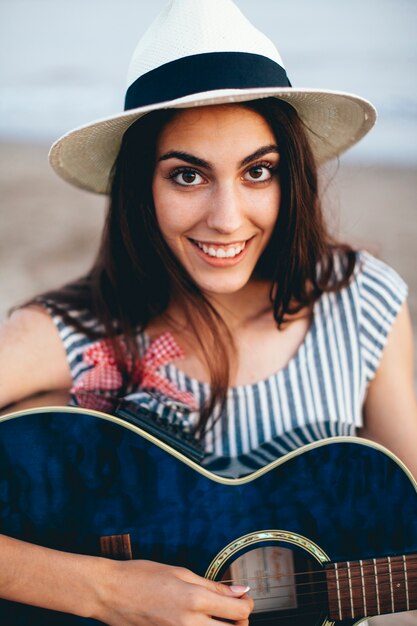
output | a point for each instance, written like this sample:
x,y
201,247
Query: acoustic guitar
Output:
x,y
325,535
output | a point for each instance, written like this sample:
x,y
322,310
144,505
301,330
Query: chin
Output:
x,y
222,287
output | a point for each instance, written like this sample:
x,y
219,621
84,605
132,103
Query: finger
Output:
x,y
226,607
235,591
235,604
245,622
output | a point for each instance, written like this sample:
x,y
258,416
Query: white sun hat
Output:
x,y
205,52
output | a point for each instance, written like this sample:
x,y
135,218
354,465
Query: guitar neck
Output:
x,y
372,587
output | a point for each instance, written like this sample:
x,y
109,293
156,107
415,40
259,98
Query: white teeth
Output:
x,y
221,253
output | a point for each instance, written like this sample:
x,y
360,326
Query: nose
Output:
x,y
226,210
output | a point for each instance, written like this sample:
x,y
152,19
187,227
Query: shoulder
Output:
x,y
370,275
77,328
380,293
376,277
372,283
365,306
31,356
32,323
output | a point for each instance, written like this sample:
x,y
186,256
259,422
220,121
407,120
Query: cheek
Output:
x,y
165,210
173,220
176,213
268,212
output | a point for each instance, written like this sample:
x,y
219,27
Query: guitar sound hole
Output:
x,y
287,585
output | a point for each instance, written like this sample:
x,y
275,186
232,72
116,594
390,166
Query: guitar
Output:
x,y
326,534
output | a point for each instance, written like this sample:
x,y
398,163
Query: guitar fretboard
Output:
x,y
372,587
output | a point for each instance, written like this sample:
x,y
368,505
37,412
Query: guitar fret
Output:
x,y
365,609
339,602
391,585
376,587
406,583
350,589
361,588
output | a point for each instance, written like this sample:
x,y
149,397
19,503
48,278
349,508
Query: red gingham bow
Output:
x,y
104,375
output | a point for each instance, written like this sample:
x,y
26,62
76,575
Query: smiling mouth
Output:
x,y
221,251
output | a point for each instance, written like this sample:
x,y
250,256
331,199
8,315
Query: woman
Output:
x,y
218,297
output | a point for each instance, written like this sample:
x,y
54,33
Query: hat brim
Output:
x,y
334,120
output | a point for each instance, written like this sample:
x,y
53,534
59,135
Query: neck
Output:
x,y
236,309
372,587
244,306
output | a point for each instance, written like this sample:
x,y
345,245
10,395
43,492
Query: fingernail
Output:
x,y
239,589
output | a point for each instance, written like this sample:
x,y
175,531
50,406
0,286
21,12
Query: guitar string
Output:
x,y
382,580
381,583
318,579
381,587
309,605
319,592
320,609
314,593
352,565
321,612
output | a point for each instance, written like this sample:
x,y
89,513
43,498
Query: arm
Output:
x,y
118,593
390,407
32,357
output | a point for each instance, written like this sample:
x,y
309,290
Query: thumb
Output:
x,y
235,591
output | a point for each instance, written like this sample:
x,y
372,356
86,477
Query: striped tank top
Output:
x,y
319,393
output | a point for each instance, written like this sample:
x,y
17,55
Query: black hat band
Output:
x,y
201,73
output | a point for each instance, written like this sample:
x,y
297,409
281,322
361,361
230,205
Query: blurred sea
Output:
x,y
64,62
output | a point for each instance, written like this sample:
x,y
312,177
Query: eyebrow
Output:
x,y
194,160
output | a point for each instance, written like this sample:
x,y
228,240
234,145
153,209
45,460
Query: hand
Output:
x,y
144,593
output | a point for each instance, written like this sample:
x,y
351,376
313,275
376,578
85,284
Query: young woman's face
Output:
x,y
216,193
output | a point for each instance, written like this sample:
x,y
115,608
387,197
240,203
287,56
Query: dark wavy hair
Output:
x,y
135,273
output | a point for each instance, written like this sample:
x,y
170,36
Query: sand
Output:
x,y
48,231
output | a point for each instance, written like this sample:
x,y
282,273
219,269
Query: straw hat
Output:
x,y
203,52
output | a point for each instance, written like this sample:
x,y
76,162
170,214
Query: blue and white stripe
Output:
x,y
319,393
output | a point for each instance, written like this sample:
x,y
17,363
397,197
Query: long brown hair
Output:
x,y
135,272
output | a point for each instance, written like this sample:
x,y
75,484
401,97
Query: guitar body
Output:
x,y
69,477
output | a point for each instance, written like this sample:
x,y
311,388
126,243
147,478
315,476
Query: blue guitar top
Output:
x,y
69,477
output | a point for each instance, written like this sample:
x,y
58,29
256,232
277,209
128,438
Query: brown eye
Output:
x,y
186,177
258,173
